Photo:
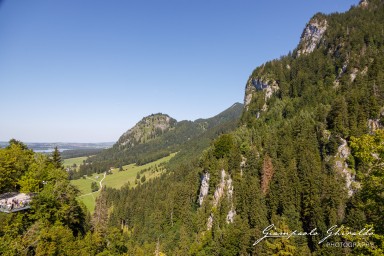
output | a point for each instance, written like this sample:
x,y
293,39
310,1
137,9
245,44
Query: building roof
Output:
x,y
14,202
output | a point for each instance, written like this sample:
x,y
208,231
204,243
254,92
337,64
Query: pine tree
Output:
x,y
56,158
94,186
281,246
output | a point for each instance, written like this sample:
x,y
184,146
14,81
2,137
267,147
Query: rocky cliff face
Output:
x,y
374,124
343,152
254,85
363,3
147,129
204,188
312,35
224,190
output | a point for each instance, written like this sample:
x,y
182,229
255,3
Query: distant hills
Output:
x,y
158,135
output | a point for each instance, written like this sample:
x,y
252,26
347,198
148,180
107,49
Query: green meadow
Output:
x,y
84,185
117,179
71,161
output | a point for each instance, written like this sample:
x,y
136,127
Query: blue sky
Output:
x,y
88,70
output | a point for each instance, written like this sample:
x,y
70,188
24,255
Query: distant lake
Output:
x,y
47,147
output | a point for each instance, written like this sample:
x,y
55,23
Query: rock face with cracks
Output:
x,y
312,35
204,188
255,85
341,165
223,190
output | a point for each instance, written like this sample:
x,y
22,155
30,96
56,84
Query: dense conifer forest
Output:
x,y
307,156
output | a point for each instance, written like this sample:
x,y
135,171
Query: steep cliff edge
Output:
x,y
312,35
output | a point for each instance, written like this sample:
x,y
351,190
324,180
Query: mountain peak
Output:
x,y
363,3
312,34
147,129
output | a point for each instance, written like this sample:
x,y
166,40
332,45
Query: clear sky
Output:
x,y
88,70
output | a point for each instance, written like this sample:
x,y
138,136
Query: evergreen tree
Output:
x,y
56,158
94,186
281,246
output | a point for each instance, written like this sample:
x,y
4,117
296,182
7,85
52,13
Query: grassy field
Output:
x,y
90,201
84,185
70,161
118,178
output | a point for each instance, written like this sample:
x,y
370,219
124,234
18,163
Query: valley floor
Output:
x,y
117,179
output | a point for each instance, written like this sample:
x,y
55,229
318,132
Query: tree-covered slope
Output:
x,y
295,160
343,71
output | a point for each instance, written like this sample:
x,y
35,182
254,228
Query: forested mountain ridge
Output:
x,y
300,159
335,52
158,135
